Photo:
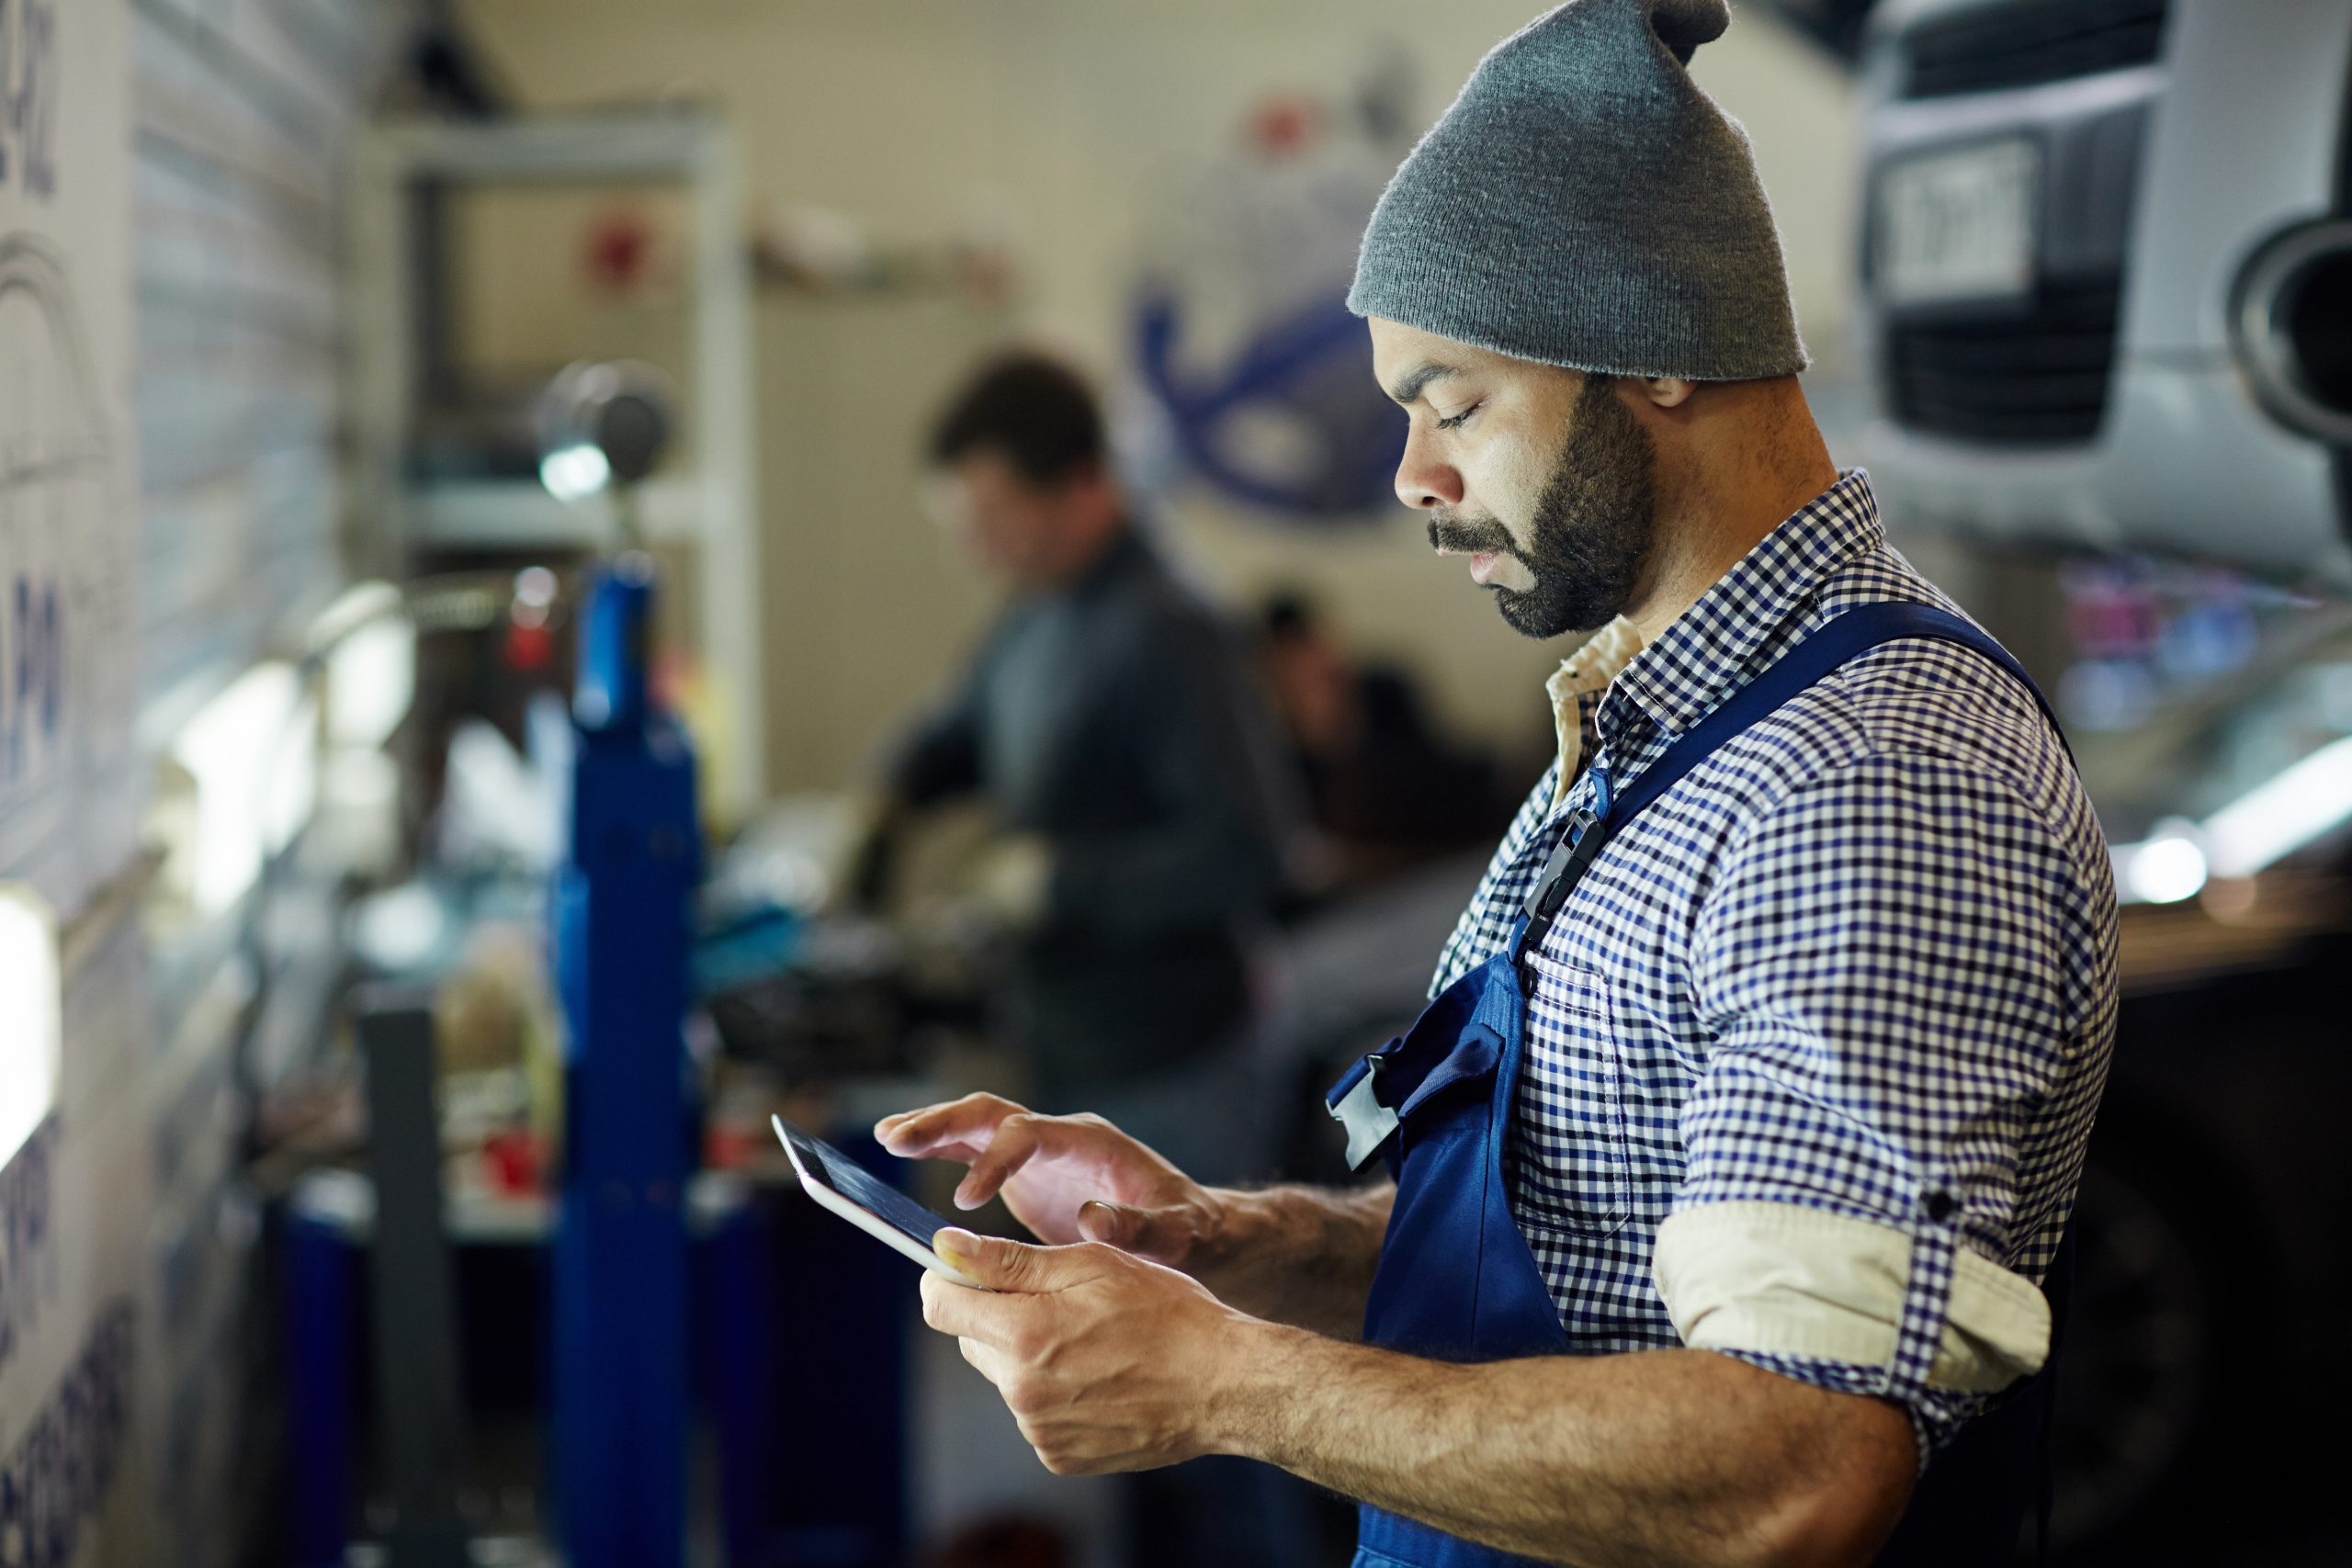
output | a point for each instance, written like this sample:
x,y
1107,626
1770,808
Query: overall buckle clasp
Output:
x,y
1369,1123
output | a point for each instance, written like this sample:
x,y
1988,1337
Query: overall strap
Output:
x,y
1843,638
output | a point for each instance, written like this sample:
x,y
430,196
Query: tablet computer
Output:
x,y
881,1211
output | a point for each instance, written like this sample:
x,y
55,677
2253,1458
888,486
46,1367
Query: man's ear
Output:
x,y
1667,391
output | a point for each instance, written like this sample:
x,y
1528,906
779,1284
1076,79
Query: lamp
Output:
x,y
31,1008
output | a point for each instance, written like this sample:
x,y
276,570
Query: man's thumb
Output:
x,y
998,1263
1147,1233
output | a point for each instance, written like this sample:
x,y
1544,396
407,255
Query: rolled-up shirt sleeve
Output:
x,y
1881,965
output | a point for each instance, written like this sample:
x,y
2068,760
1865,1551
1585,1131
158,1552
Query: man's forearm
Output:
x,y
1303,1256
1666,1457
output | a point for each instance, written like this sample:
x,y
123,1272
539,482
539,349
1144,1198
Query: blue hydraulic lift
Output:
x,y
620,936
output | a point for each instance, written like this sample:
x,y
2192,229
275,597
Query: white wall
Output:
x,y
167,421
1070,120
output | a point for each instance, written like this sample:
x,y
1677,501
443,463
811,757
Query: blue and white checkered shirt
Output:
x,y
1859,964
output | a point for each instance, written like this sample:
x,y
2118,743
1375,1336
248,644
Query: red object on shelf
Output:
x,y
528,647
1285,125
727,1147
620,251
515,1162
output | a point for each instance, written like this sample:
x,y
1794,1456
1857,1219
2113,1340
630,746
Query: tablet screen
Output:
x,y
863,1188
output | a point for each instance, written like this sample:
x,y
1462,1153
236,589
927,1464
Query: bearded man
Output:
x,y
1733,1158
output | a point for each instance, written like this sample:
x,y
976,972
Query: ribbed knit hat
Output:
x,y
1584,204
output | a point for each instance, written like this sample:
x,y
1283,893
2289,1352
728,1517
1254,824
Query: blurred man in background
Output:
x,y
1109,722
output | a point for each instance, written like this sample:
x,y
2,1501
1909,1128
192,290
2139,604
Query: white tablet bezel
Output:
x,y
873,1225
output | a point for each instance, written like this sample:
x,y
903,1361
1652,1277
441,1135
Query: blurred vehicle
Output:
x,y
1837,26
2107,273
2209,1233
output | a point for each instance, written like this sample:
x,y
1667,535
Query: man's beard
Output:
x,y
1593,529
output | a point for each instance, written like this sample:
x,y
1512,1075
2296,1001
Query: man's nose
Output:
x,y
1423,481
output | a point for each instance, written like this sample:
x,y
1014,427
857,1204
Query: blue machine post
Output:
x,y
620,951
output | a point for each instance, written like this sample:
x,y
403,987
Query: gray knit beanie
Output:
x,y
1584,204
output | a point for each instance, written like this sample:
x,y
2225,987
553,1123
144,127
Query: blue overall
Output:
x,y
1456,1280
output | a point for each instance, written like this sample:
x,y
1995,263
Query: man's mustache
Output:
x,y
1453,534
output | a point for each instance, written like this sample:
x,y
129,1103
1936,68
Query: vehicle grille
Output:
x,y
2040,378
2027,41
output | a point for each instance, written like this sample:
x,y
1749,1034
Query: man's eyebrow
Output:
x,y
1418,378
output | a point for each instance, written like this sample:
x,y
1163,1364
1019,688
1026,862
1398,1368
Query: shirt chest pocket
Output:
x,y
1568,1159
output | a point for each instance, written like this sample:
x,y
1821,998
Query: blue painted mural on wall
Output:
x,y
1241,332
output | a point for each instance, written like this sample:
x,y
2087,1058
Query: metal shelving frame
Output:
x,y
713,506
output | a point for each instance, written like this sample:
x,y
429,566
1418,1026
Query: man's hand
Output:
x,y
1068,1179
1109,1362
1296,1255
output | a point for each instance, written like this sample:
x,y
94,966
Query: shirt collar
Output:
x,y
1575,687
1711,649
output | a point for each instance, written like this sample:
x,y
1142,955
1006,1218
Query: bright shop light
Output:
x,y
2164,870
574,473
2274,819
252,752
31,1003
372,680
291,784
2251,834
369,646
